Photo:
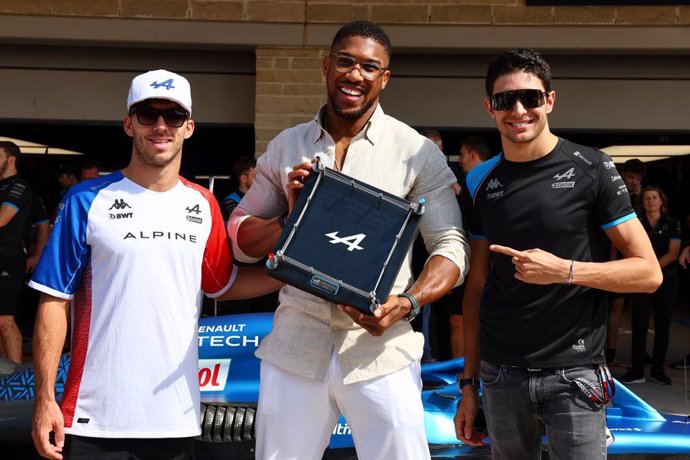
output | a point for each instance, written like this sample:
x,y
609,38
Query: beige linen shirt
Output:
x,y
386,154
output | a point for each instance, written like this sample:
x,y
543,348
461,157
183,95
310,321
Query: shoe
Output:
x,y
658,376
610,354
647,358
633,376
682,363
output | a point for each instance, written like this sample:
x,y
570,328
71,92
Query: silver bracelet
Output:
x,y
571,273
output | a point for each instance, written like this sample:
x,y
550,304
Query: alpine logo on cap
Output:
x,y
167,84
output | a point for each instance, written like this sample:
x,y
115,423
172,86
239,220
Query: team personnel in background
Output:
x,y
36,230
90,170
15,204
540,211
244,172
632,173
474,150
665,233
684,261
134,250
321,359
67,177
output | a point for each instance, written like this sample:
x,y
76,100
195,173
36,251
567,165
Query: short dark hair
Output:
x,y
635,166
90,164
364,29
479,145
515,60
431,133
67,169
11,149
242,166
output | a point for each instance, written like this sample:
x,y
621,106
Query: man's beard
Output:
x,y
154,163
350,116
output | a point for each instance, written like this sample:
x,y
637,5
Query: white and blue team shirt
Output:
x,y
136,263
560,203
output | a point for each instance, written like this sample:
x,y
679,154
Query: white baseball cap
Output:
x,y
160,84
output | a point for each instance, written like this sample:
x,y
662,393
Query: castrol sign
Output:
x,y
213,373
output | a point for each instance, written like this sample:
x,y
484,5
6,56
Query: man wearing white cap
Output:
x,y
134,250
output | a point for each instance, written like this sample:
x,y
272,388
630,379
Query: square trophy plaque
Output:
x,y
345,241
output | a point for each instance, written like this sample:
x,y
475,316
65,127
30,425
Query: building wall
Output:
x,y
495,12
291,37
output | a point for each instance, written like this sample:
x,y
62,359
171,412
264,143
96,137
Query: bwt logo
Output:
x,y
213,374
120,215
493,184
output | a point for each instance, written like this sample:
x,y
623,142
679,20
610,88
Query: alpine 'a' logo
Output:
x,y
119,204
167,84
566,175
352,242
195,209
569,174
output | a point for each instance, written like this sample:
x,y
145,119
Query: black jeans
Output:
x,y
663,301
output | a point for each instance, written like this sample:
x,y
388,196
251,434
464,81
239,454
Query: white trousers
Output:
x,y
296,415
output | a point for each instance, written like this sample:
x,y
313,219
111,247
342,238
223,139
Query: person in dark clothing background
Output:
x,y
15,203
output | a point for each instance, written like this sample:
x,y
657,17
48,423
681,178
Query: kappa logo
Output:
x,y
167,84
493,184
352,242
119,204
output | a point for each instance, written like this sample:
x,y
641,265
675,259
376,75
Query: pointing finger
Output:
x,y
506,250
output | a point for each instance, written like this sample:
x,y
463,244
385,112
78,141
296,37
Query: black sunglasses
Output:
x,y
530,99
147,115
368,69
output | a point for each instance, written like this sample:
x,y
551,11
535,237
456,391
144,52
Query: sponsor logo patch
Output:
x,y
213,374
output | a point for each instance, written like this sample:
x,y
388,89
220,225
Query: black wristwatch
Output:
x,y
474,381
414,311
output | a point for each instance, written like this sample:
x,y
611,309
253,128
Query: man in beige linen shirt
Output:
x,y
322,359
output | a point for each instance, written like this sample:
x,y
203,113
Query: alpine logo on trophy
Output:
x,y
345,240
352,242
